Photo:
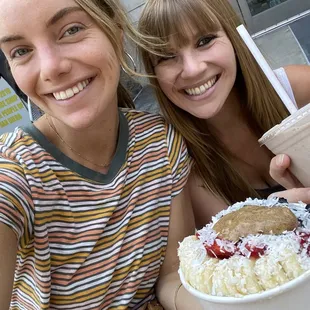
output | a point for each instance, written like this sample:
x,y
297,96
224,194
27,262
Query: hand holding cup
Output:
x,y
279,170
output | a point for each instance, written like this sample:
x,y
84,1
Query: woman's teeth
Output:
x,y
201,89
70,92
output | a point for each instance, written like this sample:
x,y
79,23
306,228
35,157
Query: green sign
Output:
x,y
12,111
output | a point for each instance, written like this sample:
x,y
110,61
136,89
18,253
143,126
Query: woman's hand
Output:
x,y
295,190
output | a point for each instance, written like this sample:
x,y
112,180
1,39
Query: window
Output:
x,y
258,6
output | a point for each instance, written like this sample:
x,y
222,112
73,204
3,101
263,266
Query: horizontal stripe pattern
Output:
x,y
84,244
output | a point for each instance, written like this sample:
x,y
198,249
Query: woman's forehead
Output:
x,y
29,11
39,16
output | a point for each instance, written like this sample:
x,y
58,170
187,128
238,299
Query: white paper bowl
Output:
x,y
293,295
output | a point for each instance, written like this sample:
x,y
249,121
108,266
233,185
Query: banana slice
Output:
x,y
291,265
246,280
269,272
201,277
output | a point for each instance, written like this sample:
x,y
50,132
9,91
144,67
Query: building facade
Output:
x,y
257,14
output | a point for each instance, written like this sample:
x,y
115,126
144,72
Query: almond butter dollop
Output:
x,y
252,220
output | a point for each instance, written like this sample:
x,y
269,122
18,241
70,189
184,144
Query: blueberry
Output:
x,y
282,200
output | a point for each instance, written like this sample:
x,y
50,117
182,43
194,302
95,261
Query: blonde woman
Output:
x,y
92,196
211,89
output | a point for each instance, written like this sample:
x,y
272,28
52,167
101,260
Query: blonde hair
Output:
x,y
111,18
261,105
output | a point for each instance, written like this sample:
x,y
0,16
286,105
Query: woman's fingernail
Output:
x,y
280,160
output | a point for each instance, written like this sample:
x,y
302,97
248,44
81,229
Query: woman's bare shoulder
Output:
x,y
205,203
299,77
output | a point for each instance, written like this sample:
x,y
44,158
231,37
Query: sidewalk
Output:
x,y
286,44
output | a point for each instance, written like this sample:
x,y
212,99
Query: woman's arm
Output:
x,y
8,250
204,203
169,291
299,77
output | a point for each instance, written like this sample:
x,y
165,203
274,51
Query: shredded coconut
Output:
x,y
285,257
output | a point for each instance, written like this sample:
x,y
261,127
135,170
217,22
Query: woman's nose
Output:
x,y
192,66
53,63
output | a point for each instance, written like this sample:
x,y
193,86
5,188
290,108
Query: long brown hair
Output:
x,y
261,104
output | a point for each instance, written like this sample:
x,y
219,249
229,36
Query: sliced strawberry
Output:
x,y
304,238
215,250
304,241
256,252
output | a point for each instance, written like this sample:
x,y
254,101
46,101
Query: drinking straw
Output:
x,y
266,69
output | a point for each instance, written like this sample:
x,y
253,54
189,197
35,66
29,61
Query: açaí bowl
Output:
x,y
292,295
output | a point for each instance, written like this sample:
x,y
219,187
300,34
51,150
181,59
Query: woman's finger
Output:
x,y
294,195
279,171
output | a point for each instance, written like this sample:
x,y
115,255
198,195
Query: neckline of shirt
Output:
x,y
118,160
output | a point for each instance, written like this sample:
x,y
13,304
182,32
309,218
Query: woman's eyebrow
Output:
x,y
7,39
61,14
53,20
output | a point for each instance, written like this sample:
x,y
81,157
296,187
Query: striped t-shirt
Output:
x,y
88,240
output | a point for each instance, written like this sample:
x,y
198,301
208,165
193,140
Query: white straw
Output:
x,y
266,69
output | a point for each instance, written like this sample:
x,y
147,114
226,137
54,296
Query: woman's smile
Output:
x,y
203,88
202,91
71,91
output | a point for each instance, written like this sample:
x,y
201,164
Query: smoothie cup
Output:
x,y
292,137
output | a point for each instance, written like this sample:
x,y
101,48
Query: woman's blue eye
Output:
x,y
205,40
71,31
20,52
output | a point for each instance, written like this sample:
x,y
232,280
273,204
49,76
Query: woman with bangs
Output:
x,y
211,89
